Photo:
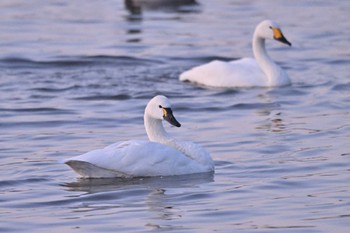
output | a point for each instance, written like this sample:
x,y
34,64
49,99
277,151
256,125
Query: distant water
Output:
x,y
76,76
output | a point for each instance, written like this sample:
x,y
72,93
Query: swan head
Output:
x,y
159,108
269,29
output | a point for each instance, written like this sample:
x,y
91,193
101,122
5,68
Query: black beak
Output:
x,y
169,117
283,40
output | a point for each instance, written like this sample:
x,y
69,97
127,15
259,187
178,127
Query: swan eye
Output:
x,y
270,27
160,106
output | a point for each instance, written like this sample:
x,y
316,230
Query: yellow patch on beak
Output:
x,y
164,112
277,34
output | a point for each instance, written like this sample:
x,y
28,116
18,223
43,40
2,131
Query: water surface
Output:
x,y
76,76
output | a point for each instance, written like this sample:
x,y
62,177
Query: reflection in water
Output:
x,y
160,209
273,122
136,6
135,34
162,206
134,29
277,124
110,184
152,191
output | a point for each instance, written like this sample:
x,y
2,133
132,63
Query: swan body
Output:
x,y
161,156
260,71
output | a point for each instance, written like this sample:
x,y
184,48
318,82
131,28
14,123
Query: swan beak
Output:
x,y
169,117
278,35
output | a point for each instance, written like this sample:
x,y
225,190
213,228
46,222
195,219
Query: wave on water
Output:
x,y
105,97
41,110
75,61
11,183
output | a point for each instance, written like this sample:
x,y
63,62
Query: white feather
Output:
x,y
260,71
165,156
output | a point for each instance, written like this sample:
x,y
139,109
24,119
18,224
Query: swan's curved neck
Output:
x,y
267,65
155,130
156,133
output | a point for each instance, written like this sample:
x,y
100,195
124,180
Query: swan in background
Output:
x,y
162,155
246,72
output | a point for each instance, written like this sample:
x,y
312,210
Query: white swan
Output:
x,y
161,156
247,72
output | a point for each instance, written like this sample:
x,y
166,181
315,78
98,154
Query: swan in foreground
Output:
x,y
162,155
246,72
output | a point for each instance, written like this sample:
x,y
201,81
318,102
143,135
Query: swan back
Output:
x,y
195,152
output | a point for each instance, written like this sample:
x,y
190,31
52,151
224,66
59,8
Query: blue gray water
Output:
x,y
76,76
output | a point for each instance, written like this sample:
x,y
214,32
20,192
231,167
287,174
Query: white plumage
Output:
x,y
162,156
260,71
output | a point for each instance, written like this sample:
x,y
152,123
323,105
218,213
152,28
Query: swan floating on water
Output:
x,y
162,155
246,72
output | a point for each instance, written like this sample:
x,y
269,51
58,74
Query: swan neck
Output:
x,y
155,130
267,65
156,133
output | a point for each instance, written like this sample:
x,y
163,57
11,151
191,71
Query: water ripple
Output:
x,y
105,97
61,62
38,110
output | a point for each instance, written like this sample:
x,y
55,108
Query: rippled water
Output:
x,y
76,75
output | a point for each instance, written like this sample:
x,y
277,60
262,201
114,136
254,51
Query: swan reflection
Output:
x,y
137,6
153,183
